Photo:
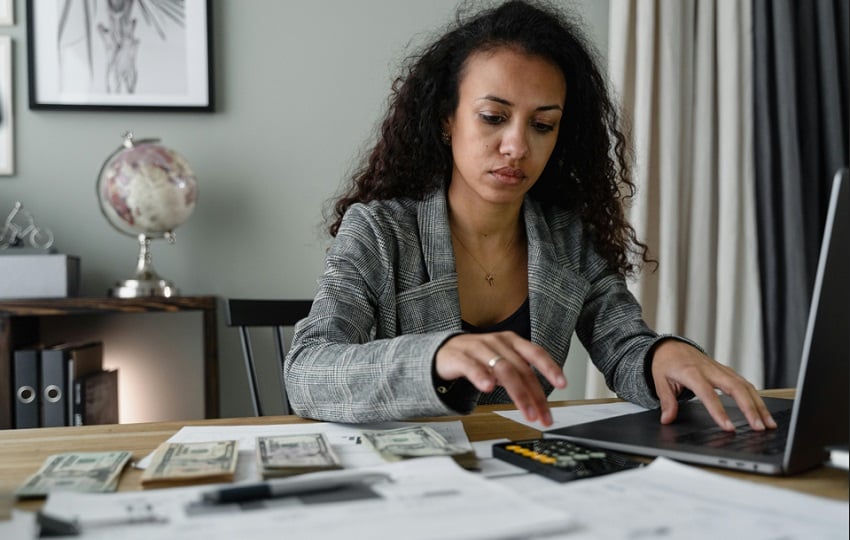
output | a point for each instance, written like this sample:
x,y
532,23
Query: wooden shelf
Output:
x,y
19,327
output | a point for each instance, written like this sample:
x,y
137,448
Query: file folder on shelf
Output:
x,y
25,389
96,399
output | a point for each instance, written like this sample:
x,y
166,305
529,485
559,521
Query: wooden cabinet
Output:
x,y
19,327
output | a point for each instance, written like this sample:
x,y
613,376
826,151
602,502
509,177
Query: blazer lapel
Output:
x,y
556,293
434,305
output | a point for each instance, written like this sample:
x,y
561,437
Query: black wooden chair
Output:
x,y
273,314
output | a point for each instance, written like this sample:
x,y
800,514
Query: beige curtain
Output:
x,y
682,72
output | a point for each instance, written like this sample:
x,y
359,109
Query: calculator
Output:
x,y
561,460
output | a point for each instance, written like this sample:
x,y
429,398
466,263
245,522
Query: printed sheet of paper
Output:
x,y
346,440
490,467
426,498
21,526
576,414
667,500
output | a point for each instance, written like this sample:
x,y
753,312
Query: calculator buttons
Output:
x,y
562,460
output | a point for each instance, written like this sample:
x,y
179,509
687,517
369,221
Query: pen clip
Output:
x,y
55,526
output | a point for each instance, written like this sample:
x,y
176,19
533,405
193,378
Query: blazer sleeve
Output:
x,y
620,343
345,363
616,337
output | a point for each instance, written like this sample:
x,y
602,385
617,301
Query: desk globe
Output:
x,y
146,191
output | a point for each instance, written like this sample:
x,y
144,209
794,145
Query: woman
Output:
x,y
486,225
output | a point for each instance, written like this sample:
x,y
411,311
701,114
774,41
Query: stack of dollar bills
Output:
x,y
89,472
286,455
418,441
180,464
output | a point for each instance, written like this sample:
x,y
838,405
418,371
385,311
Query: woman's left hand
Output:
x,y
677,365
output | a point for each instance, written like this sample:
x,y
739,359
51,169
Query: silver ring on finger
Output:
x,y
493,361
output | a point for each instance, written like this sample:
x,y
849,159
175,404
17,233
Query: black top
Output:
x,y
519,322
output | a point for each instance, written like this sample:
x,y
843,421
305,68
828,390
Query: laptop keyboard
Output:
x,y
767,442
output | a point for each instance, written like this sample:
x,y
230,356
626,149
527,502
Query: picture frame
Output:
x,y
7,12
7,124
146,55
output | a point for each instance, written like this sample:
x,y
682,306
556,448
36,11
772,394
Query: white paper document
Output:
x,y
21,526
426,498
344,438
576,414
490,467
670,500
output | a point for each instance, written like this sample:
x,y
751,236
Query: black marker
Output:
x,y
305,483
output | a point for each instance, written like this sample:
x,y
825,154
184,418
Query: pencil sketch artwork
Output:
x,y
122,47
7,12
6,124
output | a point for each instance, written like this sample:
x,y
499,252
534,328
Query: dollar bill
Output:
x,y
89,472
178,464
417,441
285,455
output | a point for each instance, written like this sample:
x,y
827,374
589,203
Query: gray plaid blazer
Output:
x,y
388,299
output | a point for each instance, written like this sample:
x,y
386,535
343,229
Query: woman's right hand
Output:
x,y
504,359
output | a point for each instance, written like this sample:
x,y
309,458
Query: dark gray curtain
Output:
x,y
800,62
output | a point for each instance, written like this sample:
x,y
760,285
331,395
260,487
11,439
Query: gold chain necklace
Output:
x,y
489,275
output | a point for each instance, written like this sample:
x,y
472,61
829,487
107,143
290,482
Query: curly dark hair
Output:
x,y
589,169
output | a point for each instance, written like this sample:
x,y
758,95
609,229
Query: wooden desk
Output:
x,y
19,327
22,451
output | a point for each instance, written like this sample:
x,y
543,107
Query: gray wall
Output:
x,y
299,88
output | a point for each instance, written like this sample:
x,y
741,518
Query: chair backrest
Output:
x,y
274,314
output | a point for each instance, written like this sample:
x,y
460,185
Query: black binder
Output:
x,y
25,391
60,365
52,387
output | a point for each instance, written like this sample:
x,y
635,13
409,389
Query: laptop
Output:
x,y
816,418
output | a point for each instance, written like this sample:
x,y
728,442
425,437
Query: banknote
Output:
x,y
417,441
178,464
285,455
90,472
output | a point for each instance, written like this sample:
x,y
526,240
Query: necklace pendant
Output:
x,y
489,278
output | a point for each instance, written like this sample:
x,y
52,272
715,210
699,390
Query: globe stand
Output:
x,y
146,281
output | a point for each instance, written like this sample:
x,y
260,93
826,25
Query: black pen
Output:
x,y
304,483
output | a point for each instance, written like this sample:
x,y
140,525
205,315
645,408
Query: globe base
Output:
x,y
141,288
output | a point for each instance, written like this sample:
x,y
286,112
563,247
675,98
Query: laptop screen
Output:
x,y
824,378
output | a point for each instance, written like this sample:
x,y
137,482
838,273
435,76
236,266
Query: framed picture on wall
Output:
x,y
7,12
7,132
107,55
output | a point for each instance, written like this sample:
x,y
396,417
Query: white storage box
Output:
x,y
39,275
